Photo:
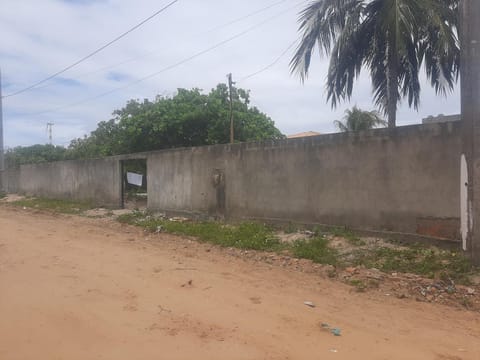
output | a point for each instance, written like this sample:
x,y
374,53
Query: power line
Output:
x,y
270,65
149,53
170,67
92,53
246,16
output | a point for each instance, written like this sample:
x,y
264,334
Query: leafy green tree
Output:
x,y
33,154
190,118
249,123
104,141
358,120
393,39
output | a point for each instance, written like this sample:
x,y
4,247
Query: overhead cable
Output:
x,y
269,65
167,68
92,53
149,53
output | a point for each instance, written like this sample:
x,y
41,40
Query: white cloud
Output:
x,y
41,37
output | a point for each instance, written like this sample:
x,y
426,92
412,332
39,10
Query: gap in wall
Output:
x,y
134,184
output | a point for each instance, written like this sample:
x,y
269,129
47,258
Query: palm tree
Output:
x,y
358,120
391,38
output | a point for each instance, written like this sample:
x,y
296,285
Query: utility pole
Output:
x,y
230,87
2,154
470,103
49,131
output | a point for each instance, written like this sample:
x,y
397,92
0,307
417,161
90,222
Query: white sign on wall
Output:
x,y
134,179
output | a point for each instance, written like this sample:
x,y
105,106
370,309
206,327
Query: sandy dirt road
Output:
x,y
77,288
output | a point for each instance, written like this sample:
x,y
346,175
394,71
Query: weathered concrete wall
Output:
x,y
9,180
401,180
96,180
188,180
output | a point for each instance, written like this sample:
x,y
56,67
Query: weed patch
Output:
x,y
132,218
359,285
351,237
56,205
342,232
290,228
416,259
251,236
429,262
316,249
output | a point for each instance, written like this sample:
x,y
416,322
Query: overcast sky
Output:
x,y
40,37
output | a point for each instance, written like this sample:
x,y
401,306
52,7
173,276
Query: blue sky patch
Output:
x,y
117,76
68,82
82,2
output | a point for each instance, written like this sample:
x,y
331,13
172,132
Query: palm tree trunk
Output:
x,y
392,85
392,73
392,98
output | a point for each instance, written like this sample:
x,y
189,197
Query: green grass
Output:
x,y
290,228
133,218
417,259
360,285
249,235
316,249
3,194
343,232
56,205
351,237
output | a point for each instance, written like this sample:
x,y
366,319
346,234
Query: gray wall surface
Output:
x,y
95,180
402,180
9,180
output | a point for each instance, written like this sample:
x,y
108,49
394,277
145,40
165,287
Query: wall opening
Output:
x,y
134,184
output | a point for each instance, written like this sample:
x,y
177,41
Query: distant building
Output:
x,y
441,118
303,134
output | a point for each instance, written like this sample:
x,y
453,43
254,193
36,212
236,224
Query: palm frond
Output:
x,y
393,39
340,126
356,119
321,22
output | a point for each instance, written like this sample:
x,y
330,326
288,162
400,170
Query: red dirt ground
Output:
x,y
77,288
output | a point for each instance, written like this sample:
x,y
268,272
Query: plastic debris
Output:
x,y
451,289
309,303
178,219
336,331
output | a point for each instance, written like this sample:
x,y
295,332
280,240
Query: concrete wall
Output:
x,y
9,180
94,180
188,180
402,180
